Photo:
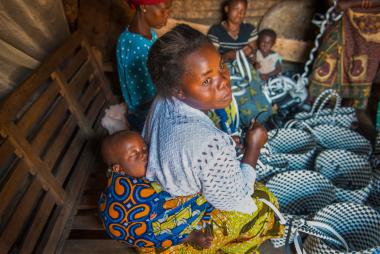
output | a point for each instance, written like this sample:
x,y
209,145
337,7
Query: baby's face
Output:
x,y
265,44
134,156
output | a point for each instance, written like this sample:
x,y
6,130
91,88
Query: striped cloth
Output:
x,y
223,40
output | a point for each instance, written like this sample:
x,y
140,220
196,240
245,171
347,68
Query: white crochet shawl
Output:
x,y
189,155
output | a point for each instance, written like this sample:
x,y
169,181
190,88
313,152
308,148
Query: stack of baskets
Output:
x,y
319,169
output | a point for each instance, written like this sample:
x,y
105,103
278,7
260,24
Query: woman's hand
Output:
x,y
229,56
256,135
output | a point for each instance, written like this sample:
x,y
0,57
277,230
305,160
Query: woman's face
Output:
x,y
157,15
206,82
236,12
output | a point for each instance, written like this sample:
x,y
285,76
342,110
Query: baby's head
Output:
x,y
127,150
235,10
267,38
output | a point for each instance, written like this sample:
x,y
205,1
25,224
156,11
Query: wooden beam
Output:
x,y
37,166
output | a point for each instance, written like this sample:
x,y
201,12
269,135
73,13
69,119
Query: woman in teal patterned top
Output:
x,y
132,53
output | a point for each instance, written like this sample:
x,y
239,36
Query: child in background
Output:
x,y
268,62
138,212
230,36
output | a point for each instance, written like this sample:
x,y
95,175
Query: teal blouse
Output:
x,y
135,82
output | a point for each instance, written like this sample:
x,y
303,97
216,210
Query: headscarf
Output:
x,y
134,3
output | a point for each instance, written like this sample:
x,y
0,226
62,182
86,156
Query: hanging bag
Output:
x,y
300,194
359,225
339,116
350,173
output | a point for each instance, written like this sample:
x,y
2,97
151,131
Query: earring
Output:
x,y
144,10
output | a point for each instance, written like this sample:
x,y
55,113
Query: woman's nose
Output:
x,y
223,81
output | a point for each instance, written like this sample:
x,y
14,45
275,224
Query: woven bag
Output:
x,y
359,225
334,137
297,147
300,194
374,196
339,116
350,173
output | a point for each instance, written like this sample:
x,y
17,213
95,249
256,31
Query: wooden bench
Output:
x,y
50,128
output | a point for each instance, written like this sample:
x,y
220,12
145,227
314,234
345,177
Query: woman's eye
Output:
x,y
206,82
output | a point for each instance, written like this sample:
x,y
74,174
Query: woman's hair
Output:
x,y
230,2
267,32
167,54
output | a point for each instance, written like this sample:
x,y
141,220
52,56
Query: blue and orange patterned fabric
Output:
x,y
139,213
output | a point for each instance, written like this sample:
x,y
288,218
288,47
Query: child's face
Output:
x,y
133,156
265,44
206,83
236,12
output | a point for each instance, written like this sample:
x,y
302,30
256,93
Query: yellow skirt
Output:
x,y
234,232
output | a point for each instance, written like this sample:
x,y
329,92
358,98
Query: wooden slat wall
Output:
x,y
48,127
29,31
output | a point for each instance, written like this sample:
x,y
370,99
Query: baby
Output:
x,y
137,211
268,62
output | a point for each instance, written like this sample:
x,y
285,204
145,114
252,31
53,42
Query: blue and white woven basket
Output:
x,y
300,194
359,225
339,116
350,173
298,147
374,196
334,137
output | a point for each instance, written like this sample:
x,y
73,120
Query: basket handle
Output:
x,y
337,103
316,106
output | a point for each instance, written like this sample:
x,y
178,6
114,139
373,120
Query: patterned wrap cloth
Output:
x,y
234,232
136,212
348,57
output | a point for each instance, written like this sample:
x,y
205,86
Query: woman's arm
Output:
x,y
256,137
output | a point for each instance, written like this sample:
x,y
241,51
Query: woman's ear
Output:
x,y
180,94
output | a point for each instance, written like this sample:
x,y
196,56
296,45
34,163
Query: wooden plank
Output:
x,y
14,55
70,157
21,214
38,107
10,105
96,108
12,186
37,166
89,201
74,188
87,223
74,106
75,63
6,151
99,73
89,94
79,80
51,125
58,144
38,224
96,247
